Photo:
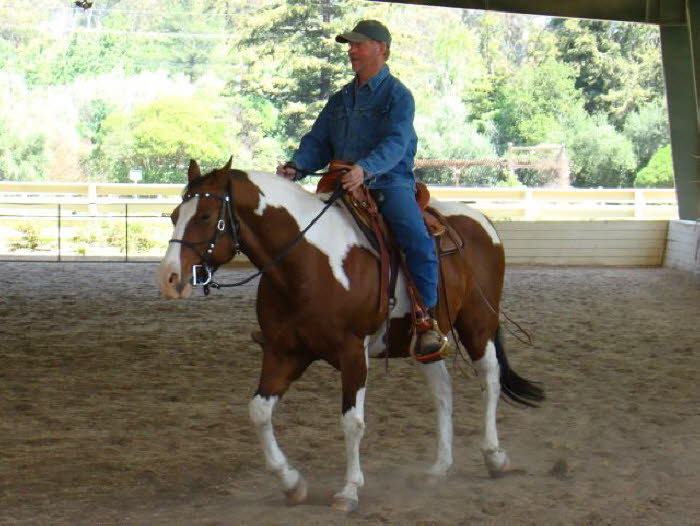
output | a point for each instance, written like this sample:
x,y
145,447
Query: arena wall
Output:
x,y
606,243
683,246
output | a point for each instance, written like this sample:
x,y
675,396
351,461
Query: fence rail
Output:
x,y
62,221
497,202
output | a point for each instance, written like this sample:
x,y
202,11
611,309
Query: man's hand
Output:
x,y
287,171
353,178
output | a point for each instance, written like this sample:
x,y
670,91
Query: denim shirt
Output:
x,y
371,126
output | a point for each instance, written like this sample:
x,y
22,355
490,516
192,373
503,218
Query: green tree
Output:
x,y
22,155
445,133
600,155
160,138
537,104
647,129
290,57
618,64
658,173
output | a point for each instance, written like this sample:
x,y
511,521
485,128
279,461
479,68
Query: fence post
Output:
x,y
59,232
530,212
639,202
126,232
92,198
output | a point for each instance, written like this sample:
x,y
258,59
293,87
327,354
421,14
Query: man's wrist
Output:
x,y
297,173
367,176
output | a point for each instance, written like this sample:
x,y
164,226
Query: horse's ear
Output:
x,y
228,164
193,171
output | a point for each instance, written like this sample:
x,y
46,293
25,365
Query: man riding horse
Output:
x,y
369,123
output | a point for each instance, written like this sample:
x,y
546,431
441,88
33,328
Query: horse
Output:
x,y
318,299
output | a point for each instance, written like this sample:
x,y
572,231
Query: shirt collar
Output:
x,y
375,81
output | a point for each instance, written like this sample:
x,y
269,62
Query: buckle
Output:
x,y
195,272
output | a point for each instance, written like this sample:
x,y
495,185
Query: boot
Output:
x,y
432,345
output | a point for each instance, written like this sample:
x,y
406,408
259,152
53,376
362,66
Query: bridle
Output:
x,y
227,223
228,217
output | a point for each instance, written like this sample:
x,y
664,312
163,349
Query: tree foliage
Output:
x,y
659,172
147,84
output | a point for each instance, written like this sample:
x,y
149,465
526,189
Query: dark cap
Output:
x,y
365,31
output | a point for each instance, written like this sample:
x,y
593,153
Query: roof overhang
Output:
x,y
662,12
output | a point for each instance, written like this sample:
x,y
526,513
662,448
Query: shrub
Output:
x,y
658,173
30,240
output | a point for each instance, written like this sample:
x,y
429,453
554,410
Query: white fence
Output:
x,y
498,203
98,221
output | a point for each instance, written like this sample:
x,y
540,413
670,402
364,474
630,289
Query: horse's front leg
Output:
x,y
353,371
278,372
441,388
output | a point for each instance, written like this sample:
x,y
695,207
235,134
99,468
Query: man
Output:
x,y
370,123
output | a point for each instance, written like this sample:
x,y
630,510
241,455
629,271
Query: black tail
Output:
x,y
513,386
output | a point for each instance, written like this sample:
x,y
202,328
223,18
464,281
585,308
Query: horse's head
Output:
x,y
205,233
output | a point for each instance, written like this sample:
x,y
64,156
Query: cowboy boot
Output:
x,y
432,345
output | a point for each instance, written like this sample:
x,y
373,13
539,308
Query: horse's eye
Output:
x,y
205,217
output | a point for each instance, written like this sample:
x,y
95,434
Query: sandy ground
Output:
x,y
117,407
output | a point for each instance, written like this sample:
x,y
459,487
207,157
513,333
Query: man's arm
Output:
x,y
315,149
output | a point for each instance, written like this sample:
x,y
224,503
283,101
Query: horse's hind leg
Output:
x,y
441,387
278,372
489,373
353,371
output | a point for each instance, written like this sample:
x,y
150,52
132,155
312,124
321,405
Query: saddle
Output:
x,y
363,208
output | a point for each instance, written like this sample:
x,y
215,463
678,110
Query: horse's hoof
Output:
x,y
345,504
497,462
298,493
438,471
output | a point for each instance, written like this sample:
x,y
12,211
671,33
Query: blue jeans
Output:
x,y
400,210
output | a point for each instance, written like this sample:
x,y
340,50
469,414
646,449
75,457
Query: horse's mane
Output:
x,y
199,181
266,178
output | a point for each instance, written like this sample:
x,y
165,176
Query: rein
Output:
x,y
227,208
332,199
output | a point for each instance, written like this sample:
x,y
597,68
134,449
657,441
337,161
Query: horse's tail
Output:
x,y
515,387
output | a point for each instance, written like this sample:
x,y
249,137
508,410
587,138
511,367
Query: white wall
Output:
x,y
620,243
683,246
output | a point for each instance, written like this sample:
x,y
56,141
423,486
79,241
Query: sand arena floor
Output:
x,y
118,407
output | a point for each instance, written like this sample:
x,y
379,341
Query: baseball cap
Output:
x,y
366,30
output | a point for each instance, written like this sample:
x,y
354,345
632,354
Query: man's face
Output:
x,y
367,56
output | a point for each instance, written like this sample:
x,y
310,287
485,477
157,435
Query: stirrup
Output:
x,y
438,350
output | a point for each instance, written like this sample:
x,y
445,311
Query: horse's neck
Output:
x,y
284,209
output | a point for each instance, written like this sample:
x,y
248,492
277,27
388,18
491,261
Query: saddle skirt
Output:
x,y
365,211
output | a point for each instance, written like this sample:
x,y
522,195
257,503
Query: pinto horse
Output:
x,y
318,299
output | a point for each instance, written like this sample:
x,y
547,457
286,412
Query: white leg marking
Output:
x,y
489,372
441,387
353,422
261,414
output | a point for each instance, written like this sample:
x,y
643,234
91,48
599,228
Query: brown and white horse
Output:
x,y
320,302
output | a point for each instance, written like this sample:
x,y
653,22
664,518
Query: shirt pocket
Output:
x,y
378,123
338,128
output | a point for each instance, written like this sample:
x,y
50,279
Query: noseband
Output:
x,y
227,222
